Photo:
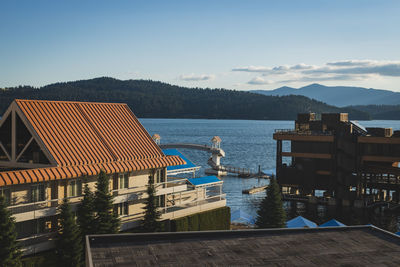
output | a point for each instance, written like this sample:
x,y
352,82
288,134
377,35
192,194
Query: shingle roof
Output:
x,y
85,137
331,246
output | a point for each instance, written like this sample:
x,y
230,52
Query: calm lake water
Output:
x,y
247,144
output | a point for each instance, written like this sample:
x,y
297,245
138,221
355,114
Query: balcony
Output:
x,y
303,132
192,207
36,210
305,135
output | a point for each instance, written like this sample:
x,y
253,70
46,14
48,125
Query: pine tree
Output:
x,y
69,243
85,213
106,221
271,213
10,254
151,221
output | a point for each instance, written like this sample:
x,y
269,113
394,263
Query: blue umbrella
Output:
x,y
332,223
397,233
300,222
242,217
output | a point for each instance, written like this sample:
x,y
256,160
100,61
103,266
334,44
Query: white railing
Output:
x,y
192,203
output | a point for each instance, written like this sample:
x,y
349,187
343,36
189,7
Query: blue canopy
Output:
x,y
204,180
300,222
242,217
397,233
175,152
332,223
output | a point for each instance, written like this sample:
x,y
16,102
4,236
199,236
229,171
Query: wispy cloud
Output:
x,y
349,70
197,77
259,81
252,69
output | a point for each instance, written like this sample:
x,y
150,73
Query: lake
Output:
x,y
247,144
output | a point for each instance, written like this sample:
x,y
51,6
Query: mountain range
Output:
x,y
339,96
153,99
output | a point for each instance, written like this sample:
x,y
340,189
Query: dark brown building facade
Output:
x,y
351,164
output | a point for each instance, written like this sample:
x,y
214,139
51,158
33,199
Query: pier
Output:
x,y
215,160
254,190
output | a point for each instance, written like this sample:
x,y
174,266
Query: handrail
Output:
x,y
302,132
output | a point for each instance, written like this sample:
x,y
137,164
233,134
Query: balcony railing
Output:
x,y
302,132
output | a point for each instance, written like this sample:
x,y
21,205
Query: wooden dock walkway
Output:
x,y
254,190
243,172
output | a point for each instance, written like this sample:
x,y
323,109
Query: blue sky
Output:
x,y
239,45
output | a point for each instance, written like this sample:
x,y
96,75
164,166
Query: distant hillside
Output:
x,y
380,112
340,96
161,100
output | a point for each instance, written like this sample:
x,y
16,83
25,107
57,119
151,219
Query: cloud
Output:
x,y
381,69
252,69
347,63
258,81
344,70
341,77
194,77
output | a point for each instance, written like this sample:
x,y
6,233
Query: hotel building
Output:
x,y
49,149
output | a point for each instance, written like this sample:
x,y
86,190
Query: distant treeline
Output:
x,y
152,99
380,112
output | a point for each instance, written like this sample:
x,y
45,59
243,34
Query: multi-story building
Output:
x,y
349,163
49,149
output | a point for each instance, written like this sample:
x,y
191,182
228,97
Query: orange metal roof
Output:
x,y
85,137
78,133
59,173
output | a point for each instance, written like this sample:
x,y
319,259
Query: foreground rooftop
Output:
x,y
351,245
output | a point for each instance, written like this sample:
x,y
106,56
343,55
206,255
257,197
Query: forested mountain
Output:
x,y
380,112
160,100
340,96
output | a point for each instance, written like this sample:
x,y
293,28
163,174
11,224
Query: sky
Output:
x,y
241,45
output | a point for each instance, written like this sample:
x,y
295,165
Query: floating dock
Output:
x,y
254,190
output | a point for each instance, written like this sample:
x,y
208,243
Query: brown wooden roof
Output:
x,y
85,137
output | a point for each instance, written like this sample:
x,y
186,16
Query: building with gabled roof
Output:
x,y
49,148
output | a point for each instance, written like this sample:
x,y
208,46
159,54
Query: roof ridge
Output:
x,y
69,101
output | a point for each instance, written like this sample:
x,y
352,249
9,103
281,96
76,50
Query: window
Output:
x,y
160,201
121,208
38,193
123,180
6,193
74,188
160,176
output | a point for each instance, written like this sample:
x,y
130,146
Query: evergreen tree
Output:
x,y
106,221
10,254
151,221
69,243
85,213
271,213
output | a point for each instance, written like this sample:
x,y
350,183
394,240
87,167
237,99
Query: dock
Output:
x,y
254,190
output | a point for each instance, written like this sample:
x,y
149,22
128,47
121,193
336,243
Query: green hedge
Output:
x,y
217,219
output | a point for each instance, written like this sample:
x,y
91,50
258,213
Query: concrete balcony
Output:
x,y
192,207
36,210
38,243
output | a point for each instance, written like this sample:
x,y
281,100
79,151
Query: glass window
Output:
x,y
160,176
123,180
74,188
160,201
121,208
6,193
38,193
